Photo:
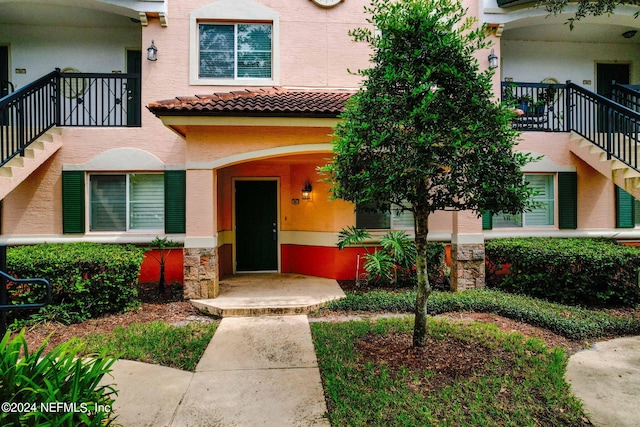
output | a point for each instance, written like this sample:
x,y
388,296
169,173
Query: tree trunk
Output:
x,y
424,288
161,280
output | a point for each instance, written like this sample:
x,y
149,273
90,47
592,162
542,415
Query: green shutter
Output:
x,y
73,204
175,188
487,220
568,200
624,209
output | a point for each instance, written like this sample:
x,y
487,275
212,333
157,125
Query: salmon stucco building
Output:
x,y
205,122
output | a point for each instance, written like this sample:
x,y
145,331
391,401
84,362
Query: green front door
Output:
x,y
256,226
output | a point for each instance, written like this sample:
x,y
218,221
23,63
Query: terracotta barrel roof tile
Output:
x,y
261,102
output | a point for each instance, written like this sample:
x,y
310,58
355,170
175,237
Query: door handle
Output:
x,y
275,232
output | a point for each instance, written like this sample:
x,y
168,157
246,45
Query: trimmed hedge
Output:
x,y
592,272
87,279
570,322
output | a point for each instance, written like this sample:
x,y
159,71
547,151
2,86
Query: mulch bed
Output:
x,y
166,307
169,307
439,363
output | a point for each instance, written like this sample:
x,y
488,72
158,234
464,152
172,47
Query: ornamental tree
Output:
x,y
424,132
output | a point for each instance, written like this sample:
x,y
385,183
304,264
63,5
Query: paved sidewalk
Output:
x,y
606,378
258,371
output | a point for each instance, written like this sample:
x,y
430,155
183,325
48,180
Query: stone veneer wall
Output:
x,y
467,266
200,273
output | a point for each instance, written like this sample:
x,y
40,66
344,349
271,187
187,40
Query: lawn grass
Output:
x,y
569,321
522,387
159,343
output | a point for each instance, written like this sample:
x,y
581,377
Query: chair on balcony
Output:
x,y
531,116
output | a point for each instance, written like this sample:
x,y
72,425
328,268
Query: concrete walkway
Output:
x,y
258,371
606,378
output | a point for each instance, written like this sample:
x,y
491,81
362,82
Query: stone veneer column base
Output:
x,y
467,266
201,273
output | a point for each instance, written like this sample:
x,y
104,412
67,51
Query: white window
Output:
x,y
235,51
234,42
544,212
126,202
393,219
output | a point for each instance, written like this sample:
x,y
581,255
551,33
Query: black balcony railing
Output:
x,y
67,99
612,125
541,106
626,95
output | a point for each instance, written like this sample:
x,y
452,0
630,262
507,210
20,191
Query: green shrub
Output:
x,y
87,279
593,272
394,261
29,381
438,276
570,322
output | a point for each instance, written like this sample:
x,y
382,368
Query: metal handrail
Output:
x,y
4,297
607,124
25,115
626,95
4,307
67,99
45,282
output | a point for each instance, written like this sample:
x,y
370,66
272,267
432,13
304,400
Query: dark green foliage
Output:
x,y
568,321
436,267
593,272
352,236
585,8
394,261
87,279
425,132
58,376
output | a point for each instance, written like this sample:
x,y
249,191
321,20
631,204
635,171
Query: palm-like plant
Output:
x,y
352,236
401,247
380,267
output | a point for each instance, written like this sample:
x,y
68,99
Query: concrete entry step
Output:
x,y
274,294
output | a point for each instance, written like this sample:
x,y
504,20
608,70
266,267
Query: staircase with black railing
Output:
x,y
612,125
66,99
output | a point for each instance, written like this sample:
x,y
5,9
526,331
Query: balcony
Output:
x,y
67,99
540,106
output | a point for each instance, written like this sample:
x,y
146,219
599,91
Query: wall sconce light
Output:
x,y
493,60
306,191
152,52
629,34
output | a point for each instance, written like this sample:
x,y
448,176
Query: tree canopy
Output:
x,y
586,8
425,131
